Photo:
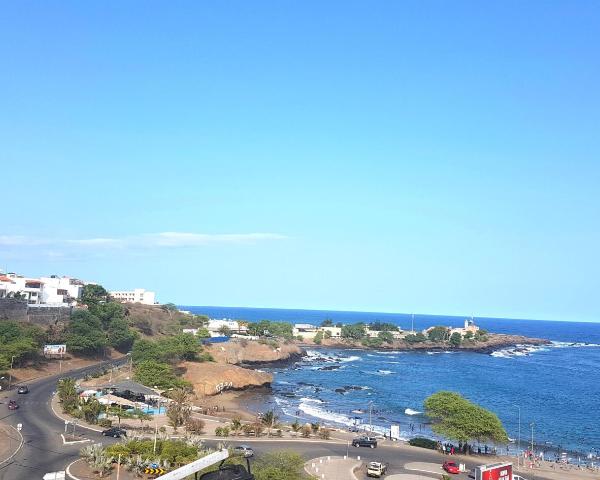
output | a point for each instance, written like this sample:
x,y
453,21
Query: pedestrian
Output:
x,y
452,451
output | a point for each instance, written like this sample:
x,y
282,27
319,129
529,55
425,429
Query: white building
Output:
x,y
214,326
52,291
139,295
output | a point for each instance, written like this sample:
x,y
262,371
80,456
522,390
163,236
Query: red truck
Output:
x,y
494,471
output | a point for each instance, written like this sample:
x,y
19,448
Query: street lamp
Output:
x,y
532,425
12,359
519,437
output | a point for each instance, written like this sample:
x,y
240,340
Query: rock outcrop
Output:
x,y
250,352
210,378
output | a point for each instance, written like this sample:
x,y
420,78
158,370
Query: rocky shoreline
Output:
x,y
495,341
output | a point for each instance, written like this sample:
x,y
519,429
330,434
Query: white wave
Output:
x,y
311,400
410,411
573,345
384,372
387,353
283,382
317,412
353,358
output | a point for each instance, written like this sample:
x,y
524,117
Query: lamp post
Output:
x,y
532,425
519,437
370,416
12,359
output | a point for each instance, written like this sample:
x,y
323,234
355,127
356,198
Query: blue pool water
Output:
x,y
557,388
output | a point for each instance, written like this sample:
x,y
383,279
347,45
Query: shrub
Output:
x,y
306,431
325,433
318,338
222,431
195,425
423,443
105,423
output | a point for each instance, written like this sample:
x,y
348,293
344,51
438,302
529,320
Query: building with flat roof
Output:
x,y
138,295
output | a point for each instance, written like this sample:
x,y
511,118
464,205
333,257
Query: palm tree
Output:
x,y
269,420
236,426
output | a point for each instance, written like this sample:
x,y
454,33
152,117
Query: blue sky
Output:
x,y
434,157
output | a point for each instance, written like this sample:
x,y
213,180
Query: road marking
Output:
x,y
18,448
65,442
68,470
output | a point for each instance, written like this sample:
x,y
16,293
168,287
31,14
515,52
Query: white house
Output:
x,y
138,295
51,291
215,325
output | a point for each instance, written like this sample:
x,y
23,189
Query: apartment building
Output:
x,y
138,295
52,290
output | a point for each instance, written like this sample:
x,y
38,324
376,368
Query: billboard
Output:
x,y
395,432
55,349
498,471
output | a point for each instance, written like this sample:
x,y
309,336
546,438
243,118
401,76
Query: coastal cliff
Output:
x,y
213,378
250,352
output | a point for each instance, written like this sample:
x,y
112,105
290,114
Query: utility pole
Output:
x,y
519,437
370,416
412,324
12,359
119,466
532,424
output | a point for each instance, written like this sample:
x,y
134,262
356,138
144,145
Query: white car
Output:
x,y
243,450
518,477
376,469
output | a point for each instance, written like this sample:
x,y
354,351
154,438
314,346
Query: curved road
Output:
x,y
43,450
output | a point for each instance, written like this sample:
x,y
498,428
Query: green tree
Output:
x,y
84,334
154,373
179,409
355,331
269,420
327,323
438,334
456,418
386,336
455,339
225,331
318,338
67,394
383,327
120,336
92,294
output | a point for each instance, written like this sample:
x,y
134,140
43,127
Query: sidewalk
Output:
x,y
11,442
333,468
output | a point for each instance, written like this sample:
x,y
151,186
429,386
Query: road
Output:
x,y
43,450
395,457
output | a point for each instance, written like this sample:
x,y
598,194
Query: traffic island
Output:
x,y
333,468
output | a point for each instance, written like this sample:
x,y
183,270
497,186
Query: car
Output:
x,y
365,442
114,432
12,405
518,477
353,429
243,450
376,469
451,467
23,389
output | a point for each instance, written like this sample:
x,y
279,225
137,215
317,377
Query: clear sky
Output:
x,y
404,156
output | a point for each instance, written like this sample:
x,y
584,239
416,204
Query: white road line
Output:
x,y
68,470
18,448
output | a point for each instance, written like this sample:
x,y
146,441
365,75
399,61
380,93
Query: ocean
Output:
x,y
554,388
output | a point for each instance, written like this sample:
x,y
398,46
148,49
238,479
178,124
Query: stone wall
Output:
x,y
19,311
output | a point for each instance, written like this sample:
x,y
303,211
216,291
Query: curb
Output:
x,y
18,448
68,470
352,468
67,420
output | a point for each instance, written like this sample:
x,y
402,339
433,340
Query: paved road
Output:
x,y
395,457
43,450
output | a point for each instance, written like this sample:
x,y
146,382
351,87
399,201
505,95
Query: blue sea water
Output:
x,y
555,388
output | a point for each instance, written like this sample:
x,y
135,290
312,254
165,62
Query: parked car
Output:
x,y
23,389
451,467
518,477
365,442
353,429
12,405
243,450
115,432
376,469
